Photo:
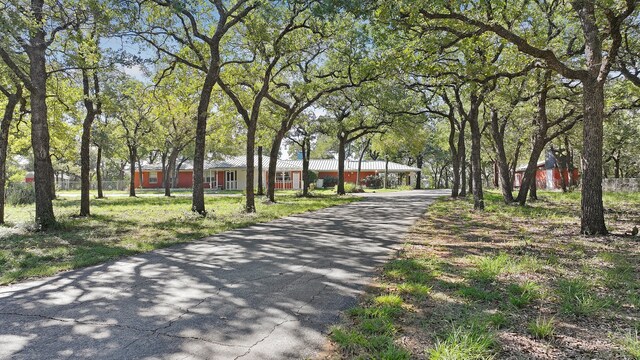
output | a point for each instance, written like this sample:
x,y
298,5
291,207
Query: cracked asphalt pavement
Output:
x,y
268,291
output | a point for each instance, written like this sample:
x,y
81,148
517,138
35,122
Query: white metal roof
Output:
x,y
240,162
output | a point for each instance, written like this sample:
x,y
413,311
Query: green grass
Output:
x,y
542,327
123,226
464,343
577,298
469,284
631,344
521,295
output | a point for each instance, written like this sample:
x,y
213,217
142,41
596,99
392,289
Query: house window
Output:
x,y
283,176
210,178
153,177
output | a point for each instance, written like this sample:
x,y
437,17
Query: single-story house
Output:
x,y
548,174
230,173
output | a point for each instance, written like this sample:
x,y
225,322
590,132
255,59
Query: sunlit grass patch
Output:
x,y
542,327
462,343
521,295
578,298
417,290
630,342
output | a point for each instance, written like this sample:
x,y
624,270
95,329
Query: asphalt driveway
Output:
x,y
269,291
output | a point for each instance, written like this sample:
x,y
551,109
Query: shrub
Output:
x,y
330,182
352,188
373,181
21,194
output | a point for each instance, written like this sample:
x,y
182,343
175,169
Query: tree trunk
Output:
x,y
273,163
163,166
140,177
533,190
386,172
478,196
170,169
462,155
306,153
501,161
529,176
341,158
592,207
40,129
133,156
250,204
9,110
197,199
85,147
419,161
99,173
455,160
260,184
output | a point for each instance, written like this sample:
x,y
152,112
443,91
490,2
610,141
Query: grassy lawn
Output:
x,y
507,283
121,226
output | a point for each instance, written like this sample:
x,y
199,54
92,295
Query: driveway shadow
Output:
x,y
268,291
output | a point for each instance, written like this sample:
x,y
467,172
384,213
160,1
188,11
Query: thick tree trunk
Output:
x,y
133,156
197,199
592,207
478,196
9,110
273,162
99,173
250,204
501,161
40,130
529,176
341,158
260,184
85,147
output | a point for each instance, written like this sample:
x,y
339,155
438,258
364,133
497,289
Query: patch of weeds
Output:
x,y
464,343
577,298
416,290
542,327
390,300
489,267
498,320
417,271
377,326
631,344
350,341
521,295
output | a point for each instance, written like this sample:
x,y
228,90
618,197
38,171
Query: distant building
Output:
x,y
30,177
230,173
549,174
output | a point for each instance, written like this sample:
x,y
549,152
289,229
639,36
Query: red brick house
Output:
x,y
230,173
